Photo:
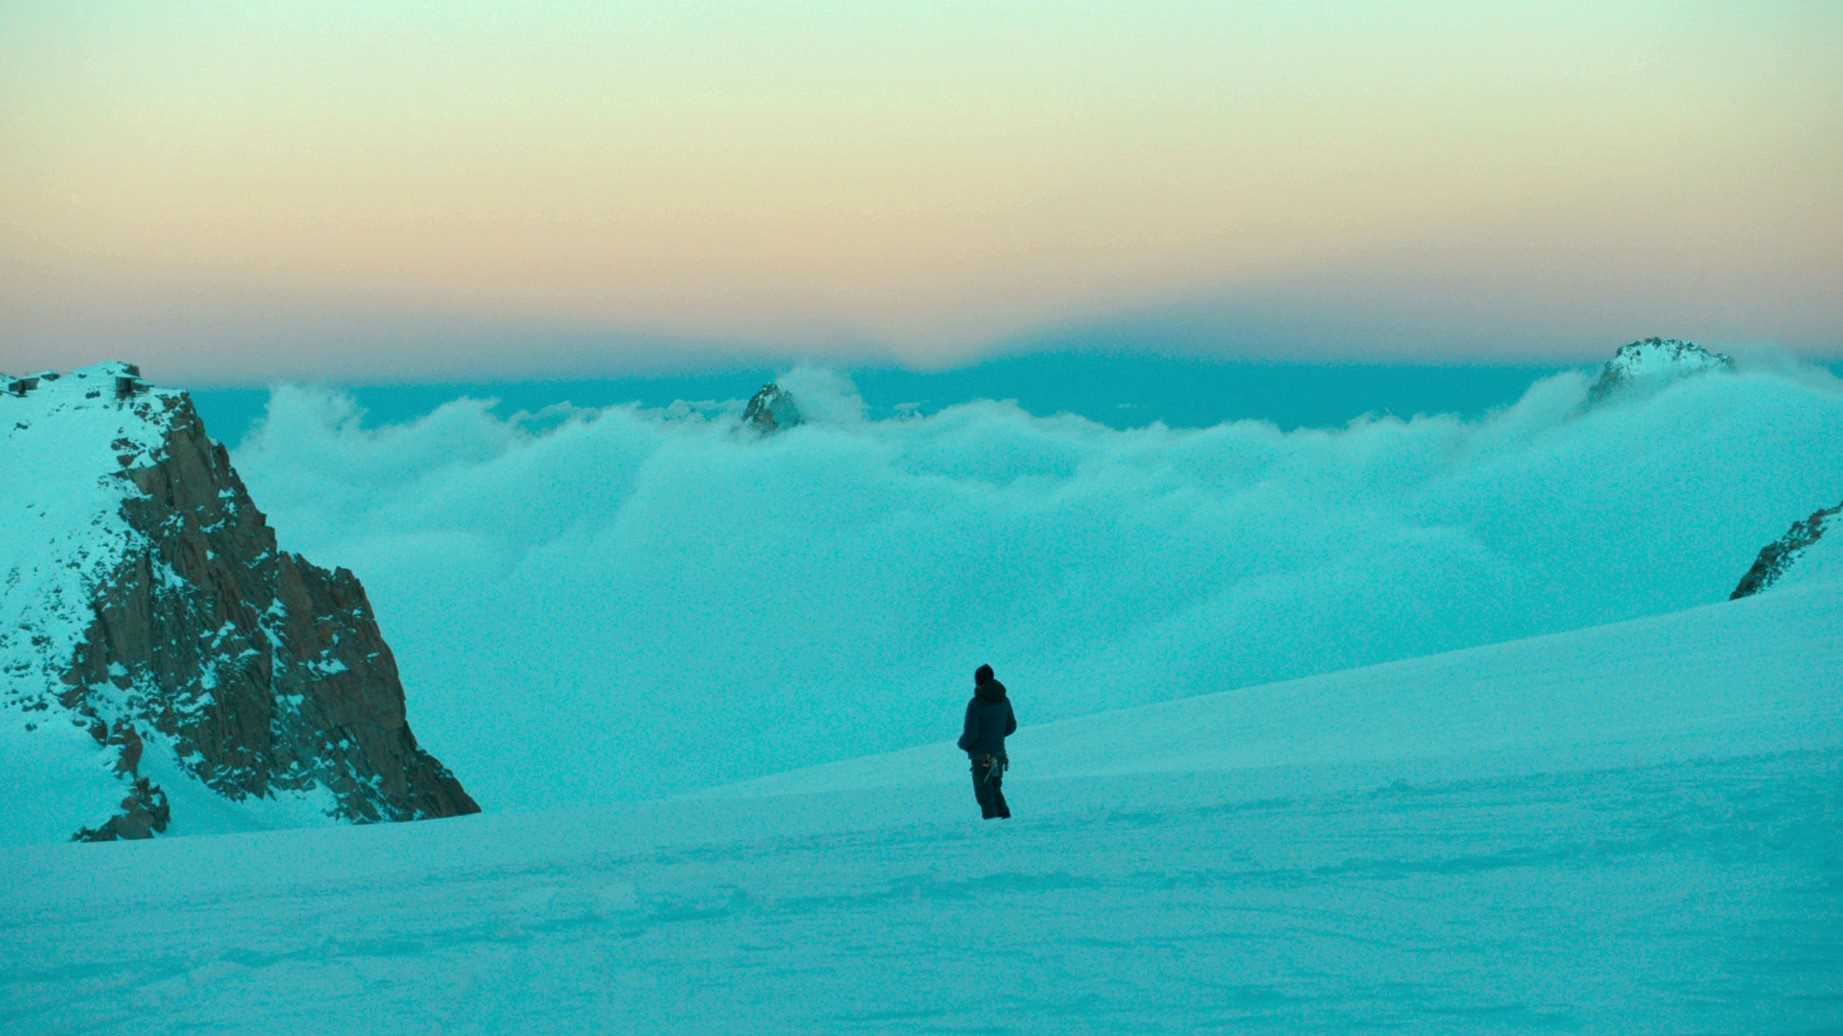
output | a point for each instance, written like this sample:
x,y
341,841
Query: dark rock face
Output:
x,y
1777,557
770,410
265,672
1653,360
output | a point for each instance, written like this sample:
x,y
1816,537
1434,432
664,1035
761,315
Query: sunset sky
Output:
x,y
238,192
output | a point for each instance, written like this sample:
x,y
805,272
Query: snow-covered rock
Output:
x,y
1811,549
1654,362
162,662
770,410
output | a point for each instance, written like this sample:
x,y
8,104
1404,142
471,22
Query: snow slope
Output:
x,y
62,534
1821,561
1627,828
1632,693
63,531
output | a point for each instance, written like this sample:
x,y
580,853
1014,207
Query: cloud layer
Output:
x,y
614,603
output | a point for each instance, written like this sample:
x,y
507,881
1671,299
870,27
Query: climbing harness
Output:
x,y
995,765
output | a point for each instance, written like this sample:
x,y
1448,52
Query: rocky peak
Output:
x,y
1811,547
144,600
770,410
1652,361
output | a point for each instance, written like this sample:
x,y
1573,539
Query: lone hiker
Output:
x,y
989,720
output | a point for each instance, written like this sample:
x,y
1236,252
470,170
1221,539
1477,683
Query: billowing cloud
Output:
x,y
595,604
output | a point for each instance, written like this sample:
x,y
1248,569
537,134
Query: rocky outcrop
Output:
x,y
770,410
144,813
1653,361
259,672
1778,558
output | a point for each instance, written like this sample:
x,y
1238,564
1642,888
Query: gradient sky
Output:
x,y
234,192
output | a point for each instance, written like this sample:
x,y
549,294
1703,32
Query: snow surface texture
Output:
x,y
1628,828
644,603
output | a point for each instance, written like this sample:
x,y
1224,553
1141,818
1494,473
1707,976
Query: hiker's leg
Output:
x,y
997,784
983,791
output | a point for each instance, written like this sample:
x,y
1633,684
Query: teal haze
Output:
x,y
1117,391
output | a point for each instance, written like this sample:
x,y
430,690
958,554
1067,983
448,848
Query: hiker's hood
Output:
x,y
990,691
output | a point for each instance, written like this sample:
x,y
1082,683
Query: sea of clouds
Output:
x,y
618,603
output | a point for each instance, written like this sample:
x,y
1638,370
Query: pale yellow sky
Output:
x,y
268,187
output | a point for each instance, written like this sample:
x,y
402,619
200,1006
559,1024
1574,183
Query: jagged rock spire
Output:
x,y
770,410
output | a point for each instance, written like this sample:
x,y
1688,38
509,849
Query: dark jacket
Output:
x,y
989,720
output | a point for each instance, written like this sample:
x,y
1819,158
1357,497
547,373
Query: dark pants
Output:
x,y
988,788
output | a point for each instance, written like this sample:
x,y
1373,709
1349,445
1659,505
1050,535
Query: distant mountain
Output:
x,y
1811,548
1654,361
771,409
145,605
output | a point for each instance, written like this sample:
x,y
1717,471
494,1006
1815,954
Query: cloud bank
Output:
x,y
617,603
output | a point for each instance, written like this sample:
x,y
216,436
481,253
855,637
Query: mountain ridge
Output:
x,y
1797,554
150,605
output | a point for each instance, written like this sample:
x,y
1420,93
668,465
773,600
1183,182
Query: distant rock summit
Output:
x,y
163,664
770,410
1812,548
1654,361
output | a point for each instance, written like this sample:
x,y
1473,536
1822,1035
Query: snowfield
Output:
x,y
1627,828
